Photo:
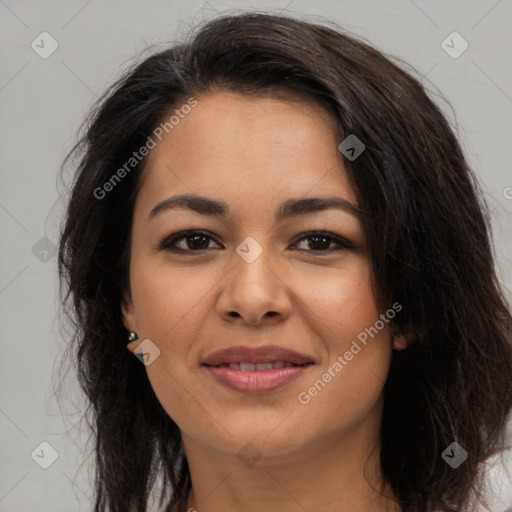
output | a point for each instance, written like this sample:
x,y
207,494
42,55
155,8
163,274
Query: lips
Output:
x,y
256,367
256,356
256,370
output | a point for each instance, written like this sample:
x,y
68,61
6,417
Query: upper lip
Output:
x,y
265,354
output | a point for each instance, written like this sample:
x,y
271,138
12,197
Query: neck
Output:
x,y
335,474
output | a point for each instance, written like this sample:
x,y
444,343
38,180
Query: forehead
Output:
x,y
247,149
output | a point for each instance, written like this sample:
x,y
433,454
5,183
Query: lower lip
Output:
x,y
259,381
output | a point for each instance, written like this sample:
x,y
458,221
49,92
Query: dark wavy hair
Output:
x,y
428,233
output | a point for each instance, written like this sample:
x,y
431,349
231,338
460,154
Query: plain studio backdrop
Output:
x,y
463,49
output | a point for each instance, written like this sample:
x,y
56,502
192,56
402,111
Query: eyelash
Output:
x,y
166,243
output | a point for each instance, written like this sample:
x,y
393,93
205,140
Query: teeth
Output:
x,y
252,367
263,366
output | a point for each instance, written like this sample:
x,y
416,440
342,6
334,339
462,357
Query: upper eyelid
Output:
x,y
342,241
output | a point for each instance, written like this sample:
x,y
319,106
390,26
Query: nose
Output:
x,y
254,293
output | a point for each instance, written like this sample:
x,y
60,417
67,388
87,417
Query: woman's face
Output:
x,y
249,281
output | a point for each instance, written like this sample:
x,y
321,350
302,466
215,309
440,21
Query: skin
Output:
x,y
254,154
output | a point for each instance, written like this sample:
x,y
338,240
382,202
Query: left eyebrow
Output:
x,y
294,207
290,208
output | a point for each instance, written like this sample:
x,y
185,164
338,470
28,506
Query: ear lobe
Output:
x,y
129,320
401,341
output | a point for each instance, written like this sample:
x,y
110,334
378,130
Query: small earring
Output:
x,y
133,336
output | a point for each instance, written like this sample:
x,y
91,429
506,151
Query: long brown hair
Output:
x,y
428,235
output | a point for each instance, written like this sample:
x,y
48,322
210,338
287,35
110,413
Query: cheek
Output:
x,y
170,304
355,342
340,302
169,300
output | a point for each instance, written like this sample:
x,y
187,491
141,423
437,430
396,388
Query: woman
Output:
x,y
280,225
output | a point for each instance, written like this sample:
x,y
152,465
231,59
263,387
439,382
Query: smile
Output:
x,y
258,378
253,367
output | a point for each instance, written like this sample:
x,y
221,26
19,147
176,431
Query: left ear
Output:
x,y
129,320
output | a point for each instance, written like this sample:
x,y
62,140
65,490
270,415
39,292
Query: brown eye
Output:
x,y
319,241
187,241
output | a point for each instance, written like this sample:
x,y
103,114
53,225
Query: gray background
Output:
x,y
43,101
